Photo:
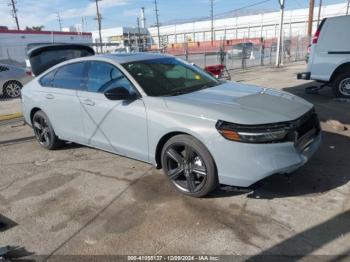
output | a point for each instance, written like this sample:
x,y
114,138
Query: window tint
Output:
x,y
103,76
69,76
46,80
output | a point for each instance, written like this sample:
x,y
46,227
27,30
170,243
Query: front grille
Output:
x,y
305,129
306,123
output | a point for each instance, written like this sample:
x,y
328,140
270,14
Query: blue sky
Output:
x,y
124,12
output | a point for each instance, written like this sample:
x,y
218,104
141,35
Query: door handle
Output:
x,y
88,102
49,96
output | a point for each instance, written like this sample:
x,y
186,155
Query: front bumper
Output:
x,y
241,164
304,75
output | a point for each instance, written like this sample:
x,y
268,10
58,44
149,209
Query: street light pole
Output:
x,y
279,40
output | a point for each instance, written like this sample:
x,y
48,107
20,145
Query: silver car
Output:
x,y
164,111
12,78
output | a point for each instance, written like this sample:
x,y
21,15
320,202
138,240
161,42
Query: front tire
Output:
x,y
341,85
189,166
44,132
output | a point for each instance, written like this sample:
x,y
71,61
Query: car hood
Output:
x,y
239,103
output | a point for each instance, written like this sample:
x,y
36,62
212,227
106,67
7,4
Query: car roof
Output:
x,y
133,57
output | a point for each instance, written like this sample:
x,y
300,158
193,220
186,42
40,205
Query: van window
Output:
x,y
103,76
69,76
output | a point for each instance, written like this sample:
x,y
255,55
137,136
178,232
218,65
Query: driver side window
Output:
x,y
102,76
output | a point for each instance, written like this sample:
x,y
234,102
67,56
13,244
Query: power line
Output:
x,y
14,12
157,20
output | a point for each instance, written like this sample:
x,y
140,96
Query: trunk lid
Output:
x,y
44,57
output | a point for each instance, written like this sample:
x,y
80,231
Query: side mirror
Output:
x,y
119,93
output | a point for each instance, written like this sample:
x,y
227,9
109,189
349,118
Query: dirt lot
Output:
x,y
81,201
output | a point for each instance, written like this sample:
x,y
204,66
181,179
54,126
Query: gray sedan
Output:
x,y
164,111
12,79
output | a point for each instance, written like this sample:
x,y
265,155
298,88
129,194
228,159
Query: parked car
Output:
x,y
241,50
162,110
12,79
329,59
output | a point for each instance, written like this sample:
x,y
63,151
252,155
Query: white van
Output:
x,y
329,60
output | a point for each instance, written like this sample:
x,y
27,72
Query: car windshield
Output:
x,y
169,76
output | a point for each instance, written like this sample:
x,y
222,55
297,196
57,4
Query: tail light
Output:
x,y
316,36
318,32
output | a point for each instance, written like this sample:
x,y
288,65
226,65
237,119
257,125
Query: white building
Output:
x,y
14,44
250,26
120,37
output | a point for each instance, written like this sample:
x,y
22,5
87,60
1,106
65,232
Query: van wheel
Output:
x,y
189,166
341,85
44,132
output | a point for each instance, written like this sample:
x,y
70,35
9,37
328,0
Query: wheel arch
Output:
x,y
161,144
32,112
343,68
169,135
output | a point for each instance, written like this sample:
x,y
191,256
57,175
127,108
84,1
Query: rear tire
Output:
x,y
44,132
189,166
341,85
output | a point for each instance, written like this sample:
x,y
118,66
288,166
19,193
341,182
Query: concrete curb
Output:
x,y
10,116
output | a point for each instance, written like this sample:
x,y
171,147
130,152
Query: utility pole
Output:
x,y
14,12
138,33
212,21
59,20
347,8
319,12
99,18
280,35
311,18
157,21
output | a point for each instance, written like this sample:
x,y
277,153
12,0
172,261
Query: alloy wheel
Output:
x,y
42,131
344,87
13,89
185,168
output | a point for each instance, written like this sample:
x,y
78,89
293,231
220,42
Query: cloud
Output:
x,y
90,9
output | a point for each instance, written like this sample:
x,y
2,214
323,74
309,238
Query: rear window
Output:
x,y
47,79
69,76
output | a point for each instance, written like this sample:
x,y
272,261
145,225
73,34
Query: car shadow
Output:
x,y
300,246
327,106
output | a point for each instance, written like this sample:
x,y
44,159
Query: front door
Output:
x,y
118,126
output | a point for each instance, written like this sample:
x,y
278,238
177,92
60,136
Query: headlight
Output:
x,y
269,133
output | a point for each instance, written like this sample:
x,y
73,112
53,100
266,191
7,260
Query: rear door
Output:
x,y
59,100
46,56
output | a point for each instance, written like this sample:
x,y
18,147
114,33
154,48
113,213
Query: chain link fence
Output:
x,y
243,53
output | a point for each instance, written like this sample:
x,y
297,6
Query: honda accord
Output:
x,y
164,111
